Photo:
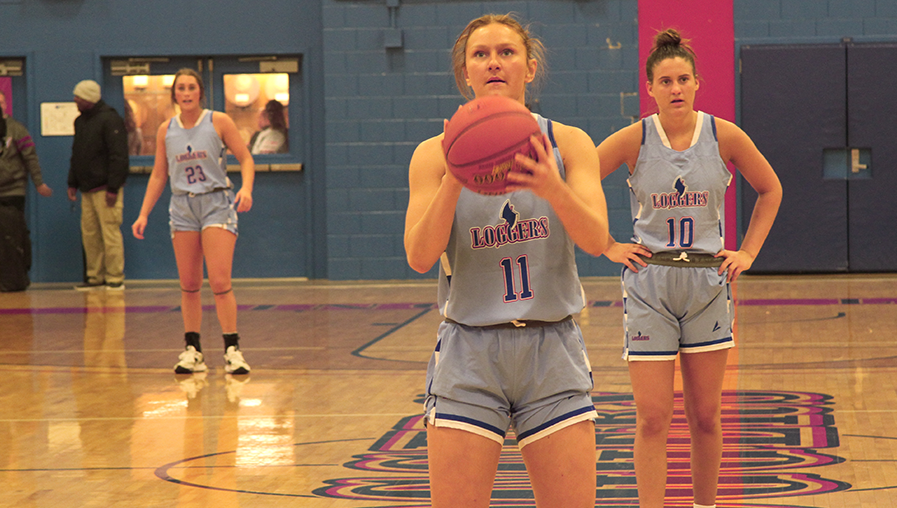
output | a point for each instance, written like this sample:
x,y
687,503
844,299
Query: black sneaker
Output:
x,y
89,286
115,286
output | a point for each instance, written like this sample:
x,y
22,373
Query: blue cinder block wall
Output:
x,y
62,43
367,106
381,102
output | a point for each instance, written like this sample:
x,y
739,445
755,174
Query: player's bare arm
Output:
x,y
433,194
737,147
619,149
227,131
155,185
584,210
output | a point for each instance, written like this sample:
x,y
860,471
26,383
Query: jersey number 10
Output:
x,y
685,233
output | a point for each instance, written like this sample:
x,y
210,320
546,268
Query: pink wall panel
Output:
x,y
6,88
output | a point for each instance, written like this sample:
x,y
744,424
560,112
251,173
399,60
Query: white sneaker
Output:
x,y
89,286
190,361
234,362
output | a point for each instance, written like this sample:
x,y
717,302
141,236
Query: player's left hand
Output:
x,y
734,262
243,200
540,174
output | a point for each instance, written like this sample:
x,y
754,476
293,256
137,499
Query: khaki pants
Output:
x,y
104,249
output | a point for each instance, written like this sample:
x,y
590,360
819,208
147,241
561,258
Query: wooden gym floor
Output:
x,y
91,414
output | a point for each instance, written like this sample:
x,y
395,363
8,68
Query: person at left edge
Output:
x,y
18,159
99,168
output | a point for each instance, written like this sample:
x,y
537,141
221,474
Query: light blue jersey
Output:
x,y
676,206
676,197
509,258
196,157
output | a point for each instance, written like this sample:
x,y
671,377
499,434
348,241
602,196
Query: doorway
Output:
x,y
822,116
281,194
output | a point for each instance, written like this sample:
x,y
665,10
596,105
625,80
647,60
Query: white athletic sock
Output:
x,y
704,505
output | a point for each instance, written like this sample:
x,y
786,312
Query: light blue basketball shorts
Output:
x,y
536,378
668,309
200,211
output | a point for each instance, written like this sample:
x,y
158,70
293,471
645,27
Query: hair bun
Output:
x,y
669,37
669,44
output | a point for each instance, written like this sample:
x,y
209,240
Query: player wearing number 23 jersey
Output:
x,y
196,157
509,258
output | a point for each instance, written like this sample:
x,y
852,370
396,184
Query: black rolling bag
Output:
x,y
15,249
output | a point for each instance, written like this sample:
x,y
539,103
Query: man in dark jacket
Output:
x,y
99,167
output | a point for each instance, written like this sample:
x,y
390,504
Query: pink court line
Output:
x,y
148,309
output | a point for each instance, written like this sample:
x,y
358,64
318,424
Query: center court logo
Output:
x,y
771,441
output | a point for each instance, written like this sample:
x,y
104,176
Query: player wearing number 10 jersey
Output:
x,y
676,275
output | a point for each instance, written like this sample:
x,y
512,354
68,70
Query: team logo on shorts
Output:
x,y
639,336
512,230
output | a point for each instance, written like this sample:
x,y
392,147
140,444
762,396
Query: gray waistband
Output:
x,y
684,259
194,194
522,323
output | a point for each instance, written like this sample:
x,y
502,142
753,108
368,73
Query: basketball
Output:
x,y
481,139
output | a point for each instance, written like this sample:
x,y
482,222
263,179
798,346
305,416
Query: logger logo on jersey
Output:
x,y
190,155
510,230
680,198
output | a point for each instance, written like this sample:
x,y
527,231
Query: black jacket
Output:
x,y
99,150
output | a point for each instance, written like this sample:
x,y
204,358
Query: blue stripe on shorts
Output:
x,y
555,421
707,343
471,421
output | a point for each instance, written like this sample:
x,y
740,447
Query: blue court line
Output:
x,y
358,352
162,472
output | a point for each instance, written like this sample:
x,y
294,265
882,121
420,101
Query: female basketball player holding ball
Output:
x,y
676,275
508,353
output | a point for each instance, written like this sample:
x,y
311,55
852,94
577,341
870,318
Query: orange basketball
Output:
x,y
481,140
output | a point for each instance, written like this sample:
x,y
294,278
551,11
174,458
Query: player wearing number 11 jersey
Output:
x,y
509,258
508,353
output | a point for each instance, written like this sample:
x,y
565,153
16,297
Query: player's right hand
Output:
x,y
139,227
630,254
